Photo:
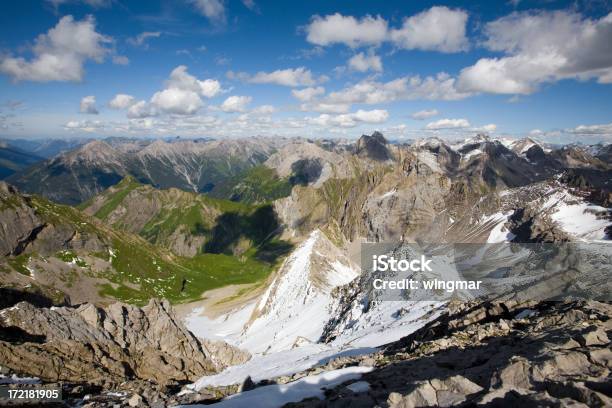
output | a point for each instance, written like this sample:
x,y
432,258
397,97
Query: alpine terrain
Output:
x,y
263,295
315,204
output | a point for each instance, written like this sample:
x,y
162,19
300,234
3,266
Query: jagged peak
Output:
x,y
96,150
373,146
430,142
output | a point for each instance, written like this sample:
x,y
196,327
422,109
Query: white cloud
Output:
x,y
437,29
490,128
264,110
235,103
512,75
371,116
286,77
308,94
88,126
59,55
348,120
88,105
182,96
214,10
536,132
177,101
222,60
424,114
588,130
339,29
121,101
362,62
321,107
121,60
181,79
540,47
448,124
440,87
140,109
250,4
141,39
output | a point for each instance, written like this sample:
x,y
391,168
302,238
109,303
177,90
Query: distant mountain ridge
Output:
x,y
13,159
239,169
75,176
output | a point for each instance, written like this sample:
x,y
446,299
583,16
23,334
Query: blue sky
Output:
x,y
317,68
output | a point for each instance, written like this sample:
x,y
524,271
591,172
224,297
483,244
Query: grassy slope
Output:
x,y
141,270
225,224
258,184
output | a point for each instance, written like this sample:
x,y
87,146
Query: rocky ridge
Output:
x,y
192,165
120,347
486,354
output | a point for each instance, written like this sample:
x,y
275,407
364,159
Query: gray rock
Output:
x,y
135,400
108,346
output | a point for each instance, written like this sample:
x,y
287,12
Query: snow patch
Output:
x,y
500,233
471,153
359,386
387,194
277,395
14,379
581,220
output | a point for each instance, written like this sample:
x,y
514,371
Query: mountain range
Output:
x,y
256,244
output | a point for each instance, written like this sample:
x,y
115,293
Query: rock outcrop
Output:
x,y
373,147
490,354
26,229
107,346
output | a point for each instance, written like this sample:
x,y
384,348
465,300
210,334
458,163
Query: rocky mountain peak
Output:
x,y
94,152
481,137
373,147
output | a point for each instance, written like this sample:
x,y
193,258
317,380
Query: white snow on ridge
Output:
x,y
272,396
14,379
282,330
581,220
301,292
576,216
293,309
500,233
385,322
287,362
471,153
226,327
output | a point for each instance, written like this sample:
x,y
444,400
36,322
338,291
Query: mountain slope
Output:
x,y
13,159
73,257
187,223
47,148
191,165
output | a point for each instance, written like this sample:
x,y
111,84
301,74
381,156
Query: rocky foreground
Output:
x,y
554,354
142,355
547,354
475,354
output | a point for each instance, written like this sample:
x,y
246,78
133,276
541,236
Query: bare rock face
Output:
x,y
23,229
528,225
18,222
373,147
107,346
493,355
405,201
